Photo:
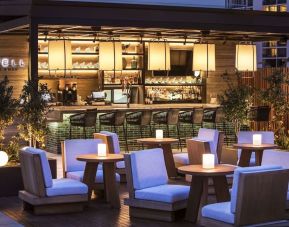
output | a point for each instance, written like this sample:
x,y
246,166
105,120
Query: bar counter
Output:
x,y
59,123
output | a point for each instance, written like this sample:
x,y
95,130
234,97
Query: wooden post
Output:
x,y
33,51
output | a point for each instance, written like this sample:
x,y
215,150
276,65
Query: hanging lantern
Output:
x,y
246,58
110,56
204,57
159,57
59,55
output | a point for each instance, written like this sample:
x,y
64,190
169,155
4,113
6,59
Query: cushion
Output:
x,y
44,164
237,173
115,140
219,211
287,203
247,137
148,168
211,136
75,147
120,165
182,158
164,193
78,175
66,187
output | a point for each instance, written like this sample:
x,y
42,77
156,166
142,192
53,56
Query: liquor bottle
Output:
x,y
133,63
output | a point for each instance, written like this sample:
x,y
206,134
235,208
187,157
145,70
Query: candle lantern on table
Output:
x,y
208,161
101,149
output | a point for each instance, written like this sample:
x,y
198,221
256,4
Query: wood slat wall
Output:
x,y
258,81
15,47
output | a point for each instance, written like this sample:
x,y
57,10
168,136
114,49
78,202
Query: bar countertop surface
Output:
x,y
56,113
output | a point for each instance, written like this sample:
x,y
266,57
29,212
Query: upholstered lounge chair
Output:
x,y
208,140
258,197
150,195
44,195
73,168
113,147
275,157
247,137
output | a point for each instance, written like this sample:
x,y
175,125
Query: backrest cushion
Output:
x,y
44,164
114,136
75,147
237,172
211,136
247,137
148,168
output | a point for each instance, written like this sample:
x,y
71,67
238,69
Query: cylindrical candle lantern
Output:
x,y
208,161
101,149
257,139
159,134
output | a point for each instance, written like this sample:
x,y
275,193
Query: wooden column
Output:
x,y
33,50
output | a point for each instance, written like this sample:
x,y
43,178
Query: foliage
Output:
x,y
12,149
275,97
8,106
236,101
33,127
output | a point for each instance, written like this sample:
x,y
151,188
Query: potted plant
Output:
x,y
236,101
33,127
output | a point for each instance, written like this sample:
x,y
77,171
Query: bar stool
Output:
x,y
84,119
170,117
141,119
209,116
114,119
193,117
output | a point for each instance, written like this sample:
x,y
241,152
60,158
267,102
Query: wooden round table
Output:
x,y
165,144
247,149
199,186
110,184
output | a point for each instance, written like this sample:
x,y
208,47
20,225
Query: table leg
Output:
x,y
110,184
221,189
259,156
194,199
169,160
245,158
89,176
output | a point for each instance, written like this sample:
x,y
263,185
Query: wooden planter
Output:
x,y
11,178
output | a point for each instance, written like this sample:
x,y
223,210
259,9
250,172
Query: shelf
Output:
x,y
67,70
168,85
67,78
93,53
175,101
119,85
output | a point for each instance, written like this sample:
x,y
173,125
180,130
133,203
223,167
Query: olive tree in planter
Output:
x,y
33,127
275,97
236,101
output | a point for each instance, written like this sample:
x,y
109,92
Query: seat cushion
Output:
x,y
219,211
164,193
66,187
114,136
78,175
44,164
120,165
148,168
75,147
287,203
241,170
181,158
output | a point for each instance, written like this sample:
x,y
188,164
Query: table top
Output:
x,y
157,141
96,158
255,147
198,170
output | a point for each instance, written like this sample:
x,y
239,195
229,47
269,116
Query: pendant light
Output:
x,y
159,57
110,56
59,55
246,58
204,57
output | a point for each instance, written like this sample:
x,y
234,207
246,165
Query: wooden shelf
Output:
x,y
67,70
168,85
67,78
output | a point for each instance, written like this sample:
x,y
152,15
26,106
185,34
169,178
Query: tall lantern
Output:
x,y
59,55
246,57
159,57
110,56
204,58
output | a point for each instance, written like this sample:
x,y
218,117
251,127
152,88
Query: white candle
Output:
x,y
208,161
159,134
101,149
257,139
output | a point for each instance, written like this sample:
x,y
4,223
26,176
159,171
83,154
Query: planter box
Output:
x,y
11,178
